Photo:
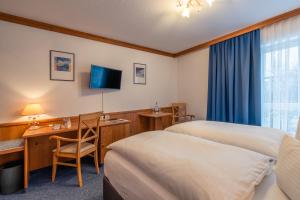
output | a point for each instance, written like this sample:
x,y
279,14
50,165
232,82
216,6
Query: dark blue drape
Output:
x,y
234,83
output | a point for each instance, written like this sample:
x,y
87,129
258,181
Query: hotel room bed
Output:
x,y
212,160
128,180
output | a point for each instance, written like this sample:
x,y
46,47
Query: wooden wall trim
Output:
x,y
51,120
59,29
248,29
68,31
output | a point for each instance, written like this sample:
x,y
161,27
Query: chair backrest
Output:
x,y
88,127
179,110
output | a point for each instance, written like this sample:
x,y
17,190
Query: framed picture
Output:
x,y
139,73
62,66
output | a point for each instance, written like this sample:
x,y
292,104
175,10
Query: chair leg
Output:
x,y
79,175
54,167
96,161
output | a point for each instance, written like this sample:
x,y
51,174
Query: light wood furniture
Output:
x,y
11,131
38,149
15,130
85,144
111,134
179,113
155,120
11,146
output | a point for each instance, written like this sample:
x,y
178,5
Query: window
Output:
x,y
281,75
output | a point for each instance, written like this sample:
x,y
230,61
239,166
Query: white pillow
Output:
x,y
260,139
288,167
298,130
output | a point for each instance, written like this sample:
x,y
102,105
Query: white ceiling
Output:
x,y
151,23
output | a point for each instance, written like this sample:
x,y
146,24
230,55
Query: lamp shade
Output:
x,y
33,109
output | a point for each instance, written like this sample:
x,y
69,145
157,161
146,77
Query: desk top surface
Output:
x,y
156,115
48,130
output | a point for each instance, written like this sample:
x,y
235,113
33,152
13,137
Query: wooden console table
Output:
x,y
38,148
155,119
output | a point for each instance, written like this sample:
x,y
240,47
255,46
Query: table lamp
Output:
x,y
33,111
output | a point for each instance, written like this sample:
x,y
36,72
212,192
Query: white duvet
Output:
x,y
194,168
263,140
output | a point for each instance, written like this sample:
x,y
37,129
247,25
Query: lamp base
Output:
x,y
34,127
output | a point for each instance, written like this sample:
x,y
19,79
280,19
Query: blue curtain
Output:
x,y
234,83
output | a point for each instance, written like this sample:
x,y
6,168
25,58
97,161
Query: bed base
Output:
x,y
109,192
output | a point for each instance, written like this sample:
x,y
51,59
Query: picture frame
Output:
x,y
139,73
62,66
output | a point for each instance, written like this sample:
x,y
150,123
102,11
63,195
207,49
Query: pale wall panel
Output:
x,y
193,81
24,75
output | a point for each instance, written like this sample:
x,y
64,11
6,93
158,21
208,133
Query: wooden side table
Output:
x,y
155,119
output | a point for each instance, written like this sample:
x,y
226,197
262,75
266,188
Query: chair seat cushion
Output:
x,y
72,148
10,144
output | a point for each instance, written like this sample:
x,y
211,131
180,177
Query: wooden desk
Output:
x,y
38,146
155,119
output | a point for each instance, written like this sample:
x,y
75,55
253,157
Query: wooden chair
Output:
x,y
179,113
86,144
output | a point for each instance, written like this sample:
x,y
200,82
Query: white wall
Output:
x,y
193,81
24,75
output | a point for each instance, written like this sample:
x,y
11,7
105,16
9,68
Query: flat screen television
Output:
x,y
105,78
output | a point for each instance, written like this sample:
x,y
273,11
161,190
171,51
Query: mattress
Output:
x,y
134,184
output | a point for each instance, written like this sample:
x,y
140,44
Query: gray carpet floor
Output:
x,y
65,187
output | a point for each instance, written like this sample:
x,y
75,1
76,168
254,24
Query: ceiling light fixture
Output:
x,y
185,6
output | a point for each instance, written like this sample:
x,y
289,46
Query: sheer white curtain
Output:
x,y
280,45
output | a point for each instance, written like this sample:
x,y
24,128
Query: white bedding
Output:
x,y
130,181
263,140
134,184
269,190
190,168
